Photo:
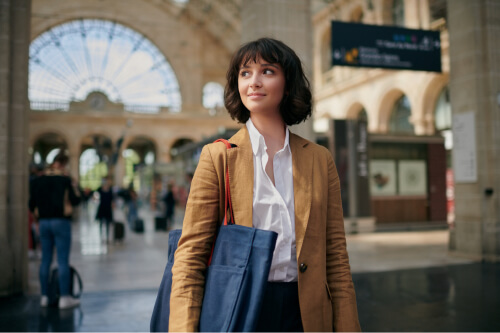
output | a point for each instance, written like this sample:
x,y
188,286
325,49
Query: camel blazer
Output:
x,y
326,292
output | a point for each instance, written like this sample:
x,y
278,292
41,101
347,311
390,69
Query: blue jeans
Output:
x,y
55,232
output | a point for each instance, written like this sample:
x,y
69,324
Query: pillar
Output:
x,y
474,93
288,21
15,16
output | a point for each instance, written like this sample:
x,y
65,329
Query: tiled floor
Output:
x,y
405,281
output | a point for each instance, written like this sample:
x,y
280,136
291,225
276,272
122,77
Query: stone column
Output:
x,y
15,18
412,14
474,91
286,20
73,151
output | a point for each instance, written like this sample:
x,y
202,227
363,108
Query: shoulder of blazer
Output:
x,y
302,142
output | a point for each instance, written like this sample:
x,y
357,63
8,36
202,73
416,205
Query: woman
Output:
x,y
169,200
105,209
279,182
51,197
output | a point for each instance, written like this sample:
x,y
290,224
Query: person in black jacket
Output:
x,y
170,202
105,209
52,197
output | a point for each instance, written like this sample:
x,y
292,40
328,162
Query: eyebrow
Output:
x,y
262,65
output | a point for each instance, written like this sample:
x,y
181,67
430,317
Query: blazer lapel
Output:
x,y
302,160
240,163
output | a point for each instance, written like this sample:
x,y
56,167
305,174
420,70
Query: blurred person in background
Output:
x,y
131,202
105,209
52,197
36,170
170,203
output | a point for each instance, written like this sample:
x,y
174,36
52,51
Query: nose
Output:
x,y
255,83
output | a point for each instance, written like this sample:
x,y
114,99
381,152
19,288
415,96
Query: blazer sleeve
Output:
x,y
198,233
345,313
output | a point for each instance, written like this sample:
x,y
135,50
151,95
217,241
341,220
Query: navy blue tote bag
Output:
x,y
235,281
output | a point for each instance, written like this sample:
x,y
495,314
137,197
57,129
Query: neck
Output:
x,y
271,128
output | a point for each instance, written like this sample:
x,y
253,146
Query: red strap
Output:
x,y
227,203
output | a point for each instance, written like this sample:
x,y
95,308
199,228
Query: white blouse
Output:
x,y
273,206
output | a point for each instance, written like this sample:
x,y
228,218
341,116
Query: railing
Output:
x,y
142,108
64,106
49,106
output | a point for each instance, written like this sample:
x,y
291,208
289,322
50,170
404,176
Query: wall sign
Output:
x,y
412,177
464,148
383,177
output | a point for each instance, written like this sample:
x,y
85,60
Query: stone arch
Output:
x,y
389,97
43,143
89,10
430,94
143,143
36,135
178,142
356,14
354,109
100,141
355,9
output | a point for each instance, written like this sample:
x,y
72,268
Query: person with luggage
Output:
x,y
105,209
279,182
131,202
52,197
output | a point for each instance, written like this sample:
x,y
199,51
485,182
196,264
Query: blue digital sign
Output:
x,y
361,45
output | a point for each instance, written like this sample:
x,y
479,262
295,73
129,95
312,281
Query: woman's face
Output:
x,y
261,86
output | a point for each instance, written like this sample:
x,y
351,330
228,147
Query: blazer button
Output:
x,y
302,267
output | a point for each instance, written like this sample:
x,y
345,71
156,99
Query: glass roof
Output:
x,y
76,58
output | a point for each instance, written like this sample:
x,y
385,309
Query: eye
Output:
x,y
244,73
268,71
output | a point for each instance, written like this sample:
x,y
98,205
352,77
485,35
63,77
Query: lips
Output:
x,y
256,95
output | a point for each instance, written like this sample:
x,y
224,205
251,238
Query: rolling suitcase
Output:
x,y
139,225
160,223
119,231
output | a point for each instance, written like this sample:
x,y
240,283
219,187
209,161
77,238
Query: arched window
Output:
x,y
92,169
132,158
442,112
51,155
37,158
149,158
398,13
443,118
399,123
71,60
213,97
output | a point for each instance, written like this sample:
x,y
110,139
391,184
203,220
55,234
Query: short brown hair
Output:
x,y
296,105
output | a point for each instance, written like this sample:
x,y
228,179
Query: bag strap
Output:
x,y
227,203
80,284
